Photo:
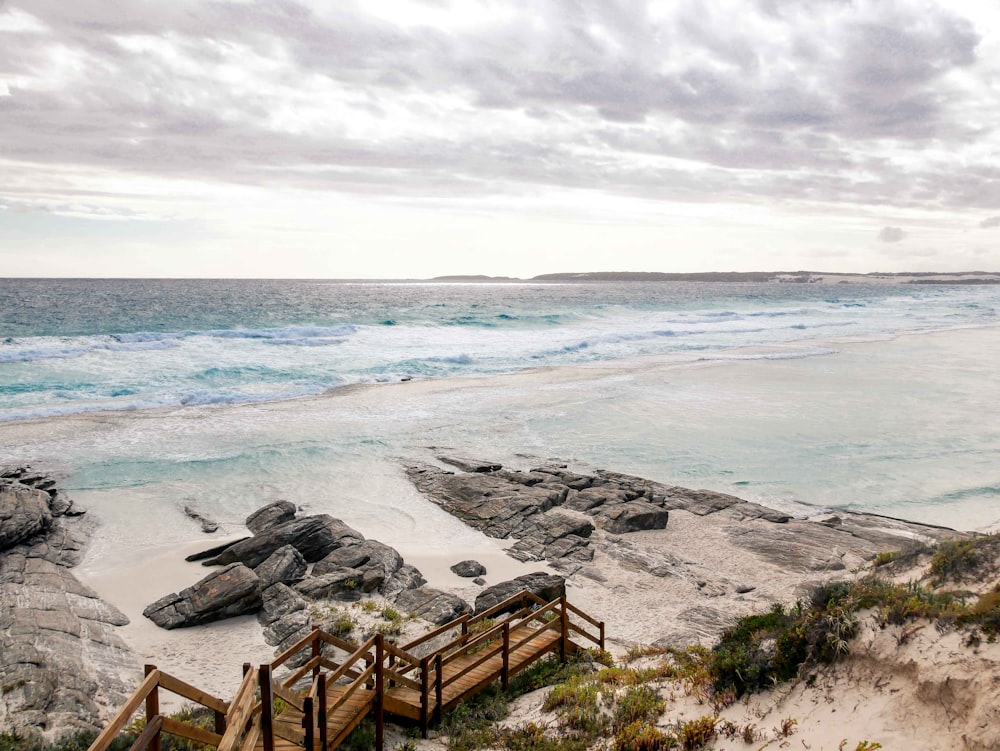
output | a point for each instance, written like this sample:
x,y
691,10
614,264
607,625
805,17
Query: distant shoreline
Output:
x,y
790,277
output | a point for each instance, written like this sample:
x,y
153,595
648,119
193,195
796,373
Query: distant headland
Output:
x,y
799,277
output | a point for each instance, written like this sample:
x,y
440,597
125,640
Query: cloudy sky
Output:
x,y
411,138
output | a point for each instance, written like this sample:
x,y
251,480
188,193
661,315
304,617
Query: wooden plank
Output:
x,y
186,690
574,609
151,731
252,736
192,733
289,697
300,673
120,720
298,646
400,680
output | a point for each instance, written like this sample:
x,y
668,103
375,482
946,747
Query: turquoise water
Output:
x,y
72,346
150,396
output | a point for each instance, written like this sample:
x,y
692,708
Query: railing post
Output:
x,y
266,709
504,672
322,711
439,684
379,690
220,722
601,626
564,627
317,648
308,725
465,624
152,708
424,697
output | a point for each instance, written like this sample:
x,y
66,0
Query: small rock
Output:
x,y
469,569
479,580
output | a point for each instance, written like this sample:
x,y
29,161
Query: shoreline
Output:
x,y
679,360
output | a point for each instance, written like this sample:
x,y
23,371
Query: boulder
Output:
x,y
270,515
408,577
432,605
468,569
313,536
342,583
230,591
375,562
279,600
546,586
634,516
24,513
285,565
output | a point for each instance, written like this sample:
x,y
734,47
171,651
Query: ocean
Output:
x,y
150,395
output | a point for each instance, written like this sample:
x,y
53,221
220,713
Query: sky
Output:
x,y
416,138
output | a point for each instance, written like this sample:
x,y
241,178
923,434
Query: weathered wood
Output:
x,y
121,718
192,733
153,707
149,733
298,646
321,718
187,691
266,708
379,693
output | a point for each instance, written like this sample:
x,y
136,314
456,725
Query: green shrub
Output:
x,y
637,703
638,736
695,734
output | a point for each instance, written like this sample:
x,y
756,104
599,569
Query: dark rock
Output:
x,y
285,565
343,583
469,569
554,525
230,591
479,580
742,589
407,577
375,561
313,536
207,525
487,502
288,629
213,552
571,547
432,605
634,516
279,600
546,586
467,465
24,513
270,515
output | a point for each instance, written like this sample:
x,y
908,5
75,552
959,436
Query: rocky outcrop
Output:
x,y
285,565
270,515
432,604
62,666
313,536
230,591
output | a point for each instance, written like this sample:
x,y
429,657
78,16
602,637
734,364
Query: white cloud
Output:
x,y
891,234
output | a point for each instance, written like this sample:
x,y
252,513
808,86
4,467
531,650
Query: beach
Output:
x,y
764,420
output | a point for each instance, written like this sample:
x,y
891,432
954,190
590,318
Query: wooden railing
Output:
x,y
377,666
148,693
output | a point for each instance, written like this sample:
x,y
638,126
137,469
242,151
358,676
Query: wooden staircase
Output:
x,y
338,683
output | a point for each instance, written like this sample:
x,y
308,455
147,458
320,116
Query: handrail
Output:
x,y
436,632
249,719
148,692
576,611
